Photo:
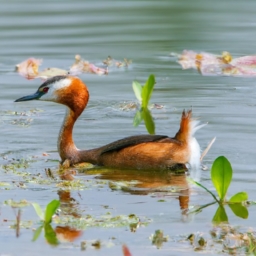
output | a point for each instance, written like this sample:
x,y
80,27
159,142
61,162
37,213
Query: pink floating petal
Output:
x,y
83,66
29,68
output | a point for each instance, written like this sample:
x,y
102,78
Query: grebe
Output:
x,y
136,152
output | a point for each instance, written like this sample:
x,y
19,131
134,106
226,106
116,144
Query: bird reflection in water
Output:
x,y
164,183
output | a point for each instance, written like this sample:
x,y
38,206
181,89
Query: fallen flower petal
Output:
x,y
83,66
28,68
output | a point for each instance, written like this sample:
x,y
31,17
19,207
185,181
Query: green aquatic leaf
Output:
x,y
137,88
50,235
239,210
239,197
147,90
221,174
148,120
137,118
38,210
37,233
50,210
220,216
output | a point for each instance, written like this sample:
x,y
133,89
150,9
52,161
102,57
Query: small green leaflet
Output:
x,y
50,210
137,88
221,174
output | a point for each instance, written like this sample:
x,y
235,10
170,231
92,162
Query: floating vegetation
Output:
x,y
96,244
209,64
31,112
158,238
122,185
225,239
29,68
24,118
4,184
18,167
72,184
109,61
24,122
84,66
127,106
22,224
15,164
20,204
104,221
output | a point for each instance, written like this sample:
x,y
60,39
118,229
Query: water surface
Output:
x,y
146,32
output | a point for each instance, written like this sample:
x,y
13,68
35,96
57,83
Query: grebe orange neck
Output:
x,y
136,152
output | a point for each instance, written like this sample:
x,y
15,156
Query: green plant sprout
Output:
x,y
221,176
46,219
143,94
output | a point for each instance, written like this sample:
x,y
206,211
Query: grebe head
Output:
x,y
66,90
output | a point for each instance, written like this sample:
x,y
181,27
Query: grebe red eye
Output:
x,y
45,89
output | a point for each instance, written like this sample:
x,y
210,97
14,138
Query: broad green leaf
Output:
x,y
50,235
137,118
147,90
37,233
50,210
221,175
38,210
239,210
149,122
220,216
137,88
239,197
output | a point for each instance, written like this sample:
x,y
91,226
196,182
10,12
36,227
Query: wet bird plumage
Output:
x,y
136,152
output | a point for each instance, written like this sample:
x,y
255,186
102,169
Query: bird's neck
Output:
x,y
66,146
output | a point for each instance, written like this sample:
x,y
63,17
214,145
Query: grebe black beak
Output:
x,y
34,96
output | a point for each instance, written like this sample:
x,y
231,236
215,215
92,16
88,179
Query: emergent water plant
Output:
x,y
143,94
221,176
46,218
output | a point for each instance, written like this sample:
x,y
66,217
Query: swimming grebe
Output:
x,y
135,152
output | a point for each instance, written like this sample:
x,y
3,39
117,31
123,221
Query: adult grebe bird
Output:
x,y
136,152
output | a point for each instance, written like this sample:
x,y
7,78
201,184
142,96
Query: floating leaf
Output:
x,y
220,216
38,210
239,210
221,175
239,197
50,235
147,90
137,88
148,119
37,233
50,210
50,72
